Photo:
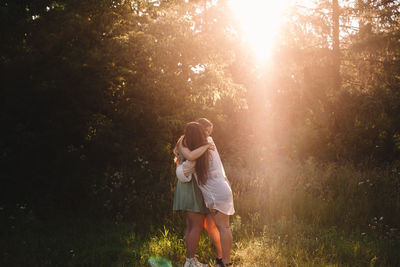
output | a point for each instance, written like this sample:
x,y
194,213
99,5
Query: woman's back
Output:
x,y
215,167
188,196
216,191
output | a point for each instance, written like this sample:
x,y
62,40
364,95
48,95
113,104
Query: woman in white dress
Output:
x,y
189,198
211,178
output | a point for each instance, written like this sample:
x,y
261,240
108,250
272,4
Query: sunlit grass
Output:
x,y
287,214
283,243
303,246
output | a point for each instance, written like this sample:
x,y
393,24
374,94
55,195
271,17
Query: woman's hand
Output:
x,y
211,146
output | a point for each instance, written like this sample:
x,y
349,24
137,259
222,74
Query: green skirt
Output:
x,y
189,197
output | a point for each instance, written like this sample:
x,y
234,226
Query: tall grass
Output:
x,y
321,195
287,214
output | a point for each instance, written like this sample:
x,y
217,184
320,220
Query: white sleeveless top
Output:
x,y
217,192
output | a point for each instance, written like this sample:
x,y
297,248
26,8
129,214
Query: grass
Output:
x,y
71,242
77,242
286,215
301,245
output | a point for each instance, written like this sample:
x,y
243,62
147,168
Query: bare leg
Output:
x,y
222,222
213,232
194,225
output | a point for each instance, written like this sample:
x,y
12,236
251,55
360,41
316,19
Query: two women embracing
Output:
x,y
203,191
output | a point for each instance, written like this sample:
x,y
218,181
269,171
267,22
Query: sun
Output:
x,y
259,22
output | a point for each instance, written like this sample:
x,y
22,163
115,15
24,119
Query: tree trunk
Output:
x,y
335,39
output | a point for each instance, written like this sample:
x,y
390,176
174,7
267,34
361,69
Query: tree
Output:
x,y
96,94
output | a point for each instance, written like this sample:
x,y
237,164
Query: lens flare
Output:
x,y
159,262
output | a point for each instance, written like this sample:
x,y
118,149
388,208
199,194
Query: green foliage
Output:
x,y
95,94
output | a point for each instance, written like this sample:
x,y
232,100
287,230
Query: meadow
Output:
x,y
304,97
288,214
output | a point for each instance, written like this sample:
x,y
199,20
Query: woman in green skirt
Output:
x,y
189,198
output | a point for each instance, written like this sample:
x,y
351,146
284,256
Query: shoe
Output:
x,y
194,262
218,262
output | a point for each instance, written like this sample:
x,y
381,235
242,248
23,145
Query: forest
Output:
x,y
305,102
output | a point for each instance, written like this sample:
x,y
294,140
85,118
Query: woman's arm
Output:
x,y
188,167
185,170
194,154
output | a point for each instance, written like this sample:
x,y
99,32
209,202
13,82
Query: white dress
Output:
x,y
217,192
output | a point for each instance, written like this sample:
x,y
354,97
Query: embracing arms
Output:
x,y
194,154
185,170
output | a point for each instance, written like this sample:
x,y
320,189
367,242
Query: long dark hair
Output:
x,y
194,138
